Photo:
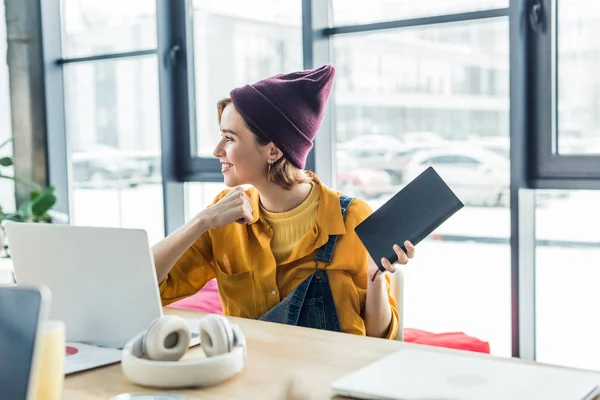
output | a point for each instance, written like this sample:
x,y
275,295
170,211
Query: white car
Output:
x,y
478,177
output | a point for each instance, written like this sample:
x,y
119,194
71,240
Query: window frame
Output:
x,y
550,170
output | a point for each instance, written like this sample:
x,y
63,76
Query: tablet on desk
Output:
x,y
411,214
23,310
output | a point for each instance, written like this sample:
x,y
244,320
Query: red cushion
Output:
x,y
452,340
206,300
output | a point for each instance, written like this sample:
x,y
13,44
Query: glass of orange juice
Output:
x,y
48,384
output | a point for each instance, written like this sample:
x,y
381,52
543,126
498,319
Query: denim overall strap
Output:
x,y
311,304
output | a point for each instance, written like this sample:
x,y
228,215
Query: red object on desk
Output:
x,y
71,350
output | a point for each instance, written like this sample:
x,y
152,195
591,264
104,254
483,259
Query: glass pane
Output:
x,y
578,85
436,96
352,12
567,277
7,188
199,195
113,130
91,27
238,42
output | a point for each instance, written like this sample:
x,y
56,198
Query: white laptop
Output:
x,y
103,283
430,375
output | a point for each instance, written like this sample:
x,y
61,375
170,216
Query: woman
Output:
x,y
285,249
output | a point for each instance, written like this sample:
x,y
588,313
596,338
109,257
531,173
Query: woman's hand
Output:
x,y
403,258
378,310
235,206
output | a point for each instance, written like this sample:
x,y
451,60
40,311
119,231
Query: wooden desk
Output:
x,y
276,353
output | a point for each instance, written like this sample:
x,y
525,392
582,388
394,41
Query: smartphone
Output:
x,y
23,311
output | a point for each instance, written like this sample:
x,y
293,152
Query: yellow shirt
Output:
x,y
289,227
249,280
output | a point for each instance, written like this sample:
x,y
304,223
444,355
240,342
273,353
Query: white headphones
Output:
x,y
152,358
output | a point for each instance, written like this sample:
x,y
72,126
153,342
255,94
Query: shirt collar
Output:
x,y
329,217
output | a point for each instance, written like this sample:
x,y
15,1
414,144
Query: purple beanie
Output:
x,y
287,108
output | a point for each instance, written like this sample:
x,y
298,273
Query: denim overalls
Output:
x,y
311,303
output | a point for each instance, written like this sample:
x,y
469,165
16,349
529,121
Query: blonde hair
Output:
x,y
282,172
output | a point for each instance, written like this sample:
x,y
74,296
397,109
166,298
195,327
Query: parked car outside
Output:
x,y
479,177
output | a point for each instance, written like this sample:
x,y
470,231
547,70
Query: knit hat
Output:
x,y
287,108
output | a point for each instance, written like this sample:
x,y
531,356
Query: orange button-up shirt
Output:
x,y
250,281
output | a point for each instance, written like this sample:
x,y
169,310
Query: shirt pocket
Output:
x,y
237,292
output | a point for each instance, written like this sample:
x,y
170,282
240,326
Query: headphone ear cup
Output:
x,y
147,334
166,339
216,335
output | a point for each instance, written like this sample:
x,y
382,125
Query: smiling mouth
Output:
x,y
225,167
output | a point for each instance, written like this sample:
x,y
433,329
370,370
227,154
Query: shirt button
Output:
x,y
274,291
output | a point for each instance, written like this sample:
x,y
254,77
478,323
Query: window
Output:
x,y
235,43
565,129
578,84
350,12
113,131
111,107
91,27
389,136
567,274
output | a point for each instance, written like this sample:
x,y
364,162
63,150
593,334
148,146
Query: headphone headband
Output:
x,y
152,358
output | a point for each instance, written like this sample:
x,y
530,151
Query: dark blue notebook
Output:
x,y
411,214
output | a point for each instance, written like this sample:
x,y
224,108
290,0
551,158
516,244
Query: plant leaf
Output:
x,y
14,217
6,161
24,210
42,203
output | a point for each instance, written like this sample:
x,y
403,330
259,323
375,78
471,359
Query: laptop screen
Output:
x,y
19,316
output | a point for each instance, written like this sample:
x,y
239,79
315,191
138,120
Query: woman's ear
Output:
x,y
274,154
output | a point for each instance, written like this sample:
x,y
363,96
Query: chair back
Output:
x,y
398,291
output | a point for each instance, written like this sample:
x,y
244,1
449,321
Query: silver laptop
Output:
x,y
433,375
103,282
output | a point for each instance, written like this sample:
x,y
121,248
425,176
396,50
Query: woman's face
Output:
x,y
243,160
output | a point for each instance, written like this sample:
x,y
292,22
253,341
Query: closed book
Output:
x,y
411,214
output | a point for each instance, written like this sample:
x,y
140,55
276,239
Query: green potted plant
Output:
x,y
36,209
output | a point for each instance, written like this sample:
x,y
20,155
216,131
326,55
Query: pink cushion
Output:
x,y
206,300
